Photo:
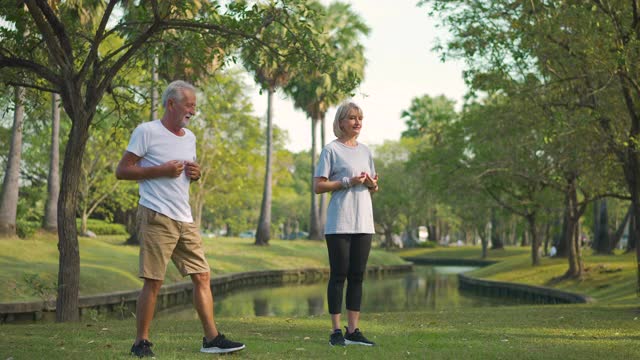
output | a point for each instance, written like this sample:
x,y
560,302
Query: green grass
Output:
x,y
523,332
594,331
608,279
106,265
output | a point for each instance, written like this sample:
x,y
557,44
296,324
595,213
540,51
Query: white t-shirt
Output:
x,y
350,210
156,145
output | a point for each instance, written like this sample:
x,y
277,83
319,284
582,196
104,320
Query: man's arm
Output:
x,y
128,168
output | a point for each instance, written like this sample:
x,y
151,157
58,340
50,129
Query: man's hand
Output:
x,y
173,168
192,170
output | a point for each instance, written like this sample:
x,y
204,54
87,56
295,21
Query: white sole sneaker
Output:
x,y
349,342
217,350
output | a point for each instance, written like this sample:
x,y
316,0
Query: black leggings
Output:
x,y
348,254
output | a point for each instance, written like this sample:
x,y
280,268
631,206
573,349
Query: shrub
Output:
x,y
26,229
101,227
427,244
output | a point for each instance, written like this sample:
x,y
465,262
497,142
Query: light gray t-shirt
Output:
x,y
350,210
156,145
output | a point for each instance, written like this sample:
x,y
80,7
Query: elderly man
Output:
x,y
161,156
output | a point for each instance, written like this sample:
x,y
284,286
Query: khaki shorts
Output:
x,y
161,239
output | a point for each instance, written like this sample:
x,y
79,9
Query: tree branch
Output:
x,y
33,66
31,86
96,94
93,52
58,29
49,37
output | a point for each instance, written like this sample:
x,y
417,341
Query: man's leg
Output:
x,y
146,307
203,302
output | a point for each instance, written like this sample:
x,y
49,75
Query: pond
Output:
x,y
427,288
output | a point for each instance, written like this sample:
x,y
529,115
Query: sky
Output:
x,y
400,67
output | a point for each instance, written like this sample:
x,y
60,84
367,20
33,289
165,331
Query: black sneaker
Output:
x,y
142,349
220,345
356,338
336,339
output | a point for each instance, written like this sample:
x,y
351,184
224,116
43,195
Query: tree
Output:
x,y
228,143
10,184
82,71
559,43
391,204
426,119
97,183
50,221
315,91
271,74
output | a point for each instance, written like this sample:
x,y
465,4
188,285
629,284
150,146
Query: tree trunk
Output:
x,y
484,240
50,222
11,183
564,240
69,263
315,232
263,234
575,250
535,240
596,223
83,223
513,234
388,237
496,241
601,238
547,236
619,232
525,239
131,223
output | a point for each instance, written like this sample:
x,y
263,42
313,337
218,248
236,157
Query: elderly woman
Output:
x,y
346,170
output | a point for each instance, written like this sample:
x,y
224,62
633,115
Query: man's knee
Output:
x,y
201,279
152,286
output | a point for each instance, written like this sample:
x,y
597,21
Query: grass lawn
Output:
x,y
608,329
609,279
523,332
106,265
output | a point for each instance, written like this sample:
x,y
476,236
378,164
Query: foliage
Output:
x,y
101,227
26,229
229,142
85,53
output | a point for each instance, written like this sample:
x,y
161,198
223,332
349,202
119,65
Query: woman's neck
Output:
x,y
349,141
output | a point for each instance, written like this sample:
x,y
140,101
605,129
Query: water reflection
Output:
x,y
427,288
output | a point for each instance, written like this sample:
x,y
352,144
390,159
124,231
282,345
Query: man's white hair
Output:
x,y
174,91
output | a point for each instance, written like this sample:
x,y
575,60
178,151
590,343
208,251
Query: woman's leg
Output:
x,y
360,247
338,248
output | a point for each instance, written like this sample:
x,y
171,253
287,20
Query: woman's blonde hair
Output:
x,y
341,114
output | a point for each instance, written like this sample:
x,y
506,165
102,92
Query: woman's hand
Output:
x,y
370,182
358,180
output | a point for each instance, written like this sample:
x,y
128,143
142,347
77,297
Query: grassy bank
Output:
x,y
28,268
608,279
524,332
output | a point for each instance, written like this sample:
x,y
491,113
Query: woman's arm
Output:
x,y
323,185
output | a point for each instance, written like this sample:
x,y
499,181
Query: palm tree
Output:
x,y
315,92
270,74
50,221
11,184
